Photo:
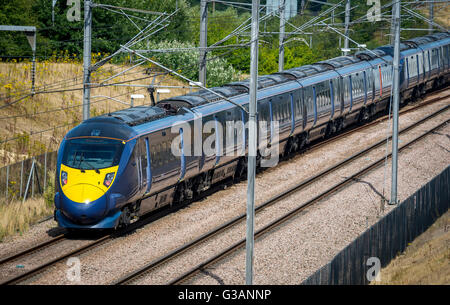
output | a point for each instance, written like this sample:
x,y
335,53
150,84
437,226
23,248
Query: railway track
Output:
x,y
87,247
223,254
97,242
204,238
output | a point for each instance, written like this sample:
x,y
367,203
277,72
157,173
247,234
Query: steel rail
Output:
x,y
33,249
41,268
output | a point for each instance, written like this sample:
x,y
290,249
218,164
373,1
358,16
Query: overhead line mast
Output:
x,y
252,143
396,103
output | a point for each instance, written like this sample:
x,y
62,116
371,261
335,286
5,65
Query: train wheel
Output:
x,y
125,218
240,169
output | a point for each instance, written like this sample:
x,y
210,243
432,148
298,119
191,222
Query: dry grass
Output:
x,y
16,217
15,81
441,13
426,260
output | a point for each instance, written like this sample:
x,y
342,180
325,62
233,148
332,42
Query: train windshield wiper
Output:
x,y
82,159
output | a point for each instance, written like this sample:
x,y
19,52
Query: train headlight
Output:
x,y
108,179
63,178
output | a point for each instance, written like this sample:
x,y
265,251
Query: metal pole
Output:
x,y
203,41
347,24
87,58
430,25
45,170
33,66
251,170
396,104
281,43
32,180
391,37
7,181
21,179
28,182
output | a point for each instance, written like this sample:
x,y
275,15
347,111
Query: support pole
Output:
x,y
347,24
28,182
396,104
392,34
45,170
252,145
7,182
33,64
430,25
282,28
203,41
31,36
87,59
21,179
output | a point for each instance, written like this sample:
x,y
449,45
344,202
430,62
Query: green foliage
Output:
x,y
219,71
110,30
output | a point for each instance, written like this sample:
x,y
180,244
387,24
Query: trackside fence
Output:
x,y
21,177
388,237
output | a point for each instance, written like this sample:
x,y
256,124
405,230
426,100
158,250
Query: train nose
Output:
x,y
84,203
83,193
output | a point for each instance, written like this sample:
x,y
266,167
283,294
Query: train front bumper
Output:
x,y
109,222
102,213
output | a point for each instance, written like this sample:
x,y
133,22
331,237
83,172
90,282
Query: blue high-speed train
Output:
x,y
114,168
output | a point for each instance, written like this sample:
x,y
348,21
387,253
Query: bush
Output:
x,y
219,71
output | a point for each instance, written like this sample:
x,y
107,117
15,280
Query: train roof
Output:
x,y
367,55
130,116
304,71
102,126
202,97
338,62
389,49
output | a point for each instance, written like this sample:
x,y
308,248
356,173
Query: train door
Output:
x,y
270,130
292,107
350,92
308,100
144,171
331,98
148,166
372,85
315,104
418,68
365,87
407,72
340,94
219,136
182,155
381,81
139,161
242,138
